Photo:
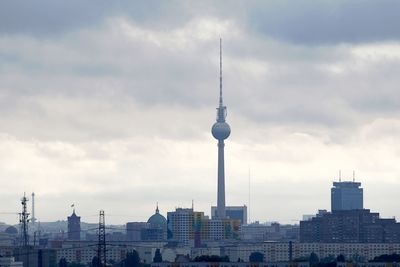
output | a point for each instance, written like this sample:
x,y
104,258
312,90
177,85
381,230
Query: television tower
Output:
x,y
221,131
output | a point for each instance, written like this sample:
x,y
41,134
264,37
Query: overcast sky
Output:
x,y
109,105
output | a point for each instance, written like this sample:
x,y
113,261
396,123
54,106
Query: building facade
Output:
x,y
350,226
232,212
134,230
74,227
346,196
190,227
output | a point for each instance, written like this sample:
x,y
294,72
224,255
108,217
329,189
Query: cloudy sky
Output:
x,y
109,105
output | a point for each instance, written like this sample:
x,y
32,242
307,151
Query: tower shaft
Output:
x,y
221,180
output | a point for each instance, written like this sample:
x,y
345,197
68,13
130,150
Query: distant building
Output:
x,y
181,225
232,212
350,226
187,226
254,232
74,227
10,262
346,196
134,230
35,257
269,232
156,228
83,251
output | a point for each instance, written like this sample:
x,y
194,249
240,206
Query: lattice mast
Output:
x,y
24,220
101,247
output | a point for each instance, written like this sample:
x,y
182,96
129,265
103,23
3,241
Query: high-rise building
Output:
x,y
180,225
187,226
350,226
346,196
74,227
221,131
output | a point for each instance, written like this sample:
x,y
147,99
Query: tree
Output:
x,y
62,263
212,258
341,258
313,260
95,261
157,256
132,259
387,258
256,257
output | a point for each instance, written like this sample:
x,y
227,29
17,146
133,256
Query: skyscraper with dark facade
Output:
x,y
74,227
346,196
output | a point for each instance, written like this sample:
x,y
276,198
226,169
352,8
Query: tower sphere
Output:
x,y
221,130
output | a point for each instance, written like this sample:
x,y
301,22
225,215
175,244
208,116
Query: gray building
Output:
x,y
349,226
232,212
134,230
346,196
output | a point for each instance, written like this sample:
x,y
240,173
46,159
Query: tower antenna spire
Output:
x,y
220,73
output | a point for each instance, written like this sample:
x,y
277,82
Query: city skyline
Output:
x,y
112,110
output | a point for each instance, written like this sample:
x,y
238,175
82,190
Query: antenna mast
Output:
x,y
220,73
101,247
24,220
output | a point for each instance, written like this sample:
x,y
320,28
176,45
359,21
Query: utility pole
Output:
x,y
101,247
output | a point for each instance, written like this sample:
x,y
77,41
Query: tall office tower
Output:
x,y
74,227
346,196
221,131
180,225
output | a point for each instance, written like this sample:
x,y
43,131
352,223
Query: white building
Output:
x,y
10,262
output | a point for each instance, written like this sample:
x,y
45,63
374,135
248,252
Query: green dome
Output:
x,y
157,220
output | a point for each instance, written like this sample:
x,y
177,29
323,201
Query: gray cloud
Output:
x,y
327,22
98,99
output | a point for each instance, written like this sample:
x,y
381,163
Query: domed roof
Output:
x,y
157,220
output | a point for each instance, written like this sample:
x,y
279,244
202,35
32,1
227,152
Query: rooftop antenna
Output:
x,y
192,205
354,176
340,175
